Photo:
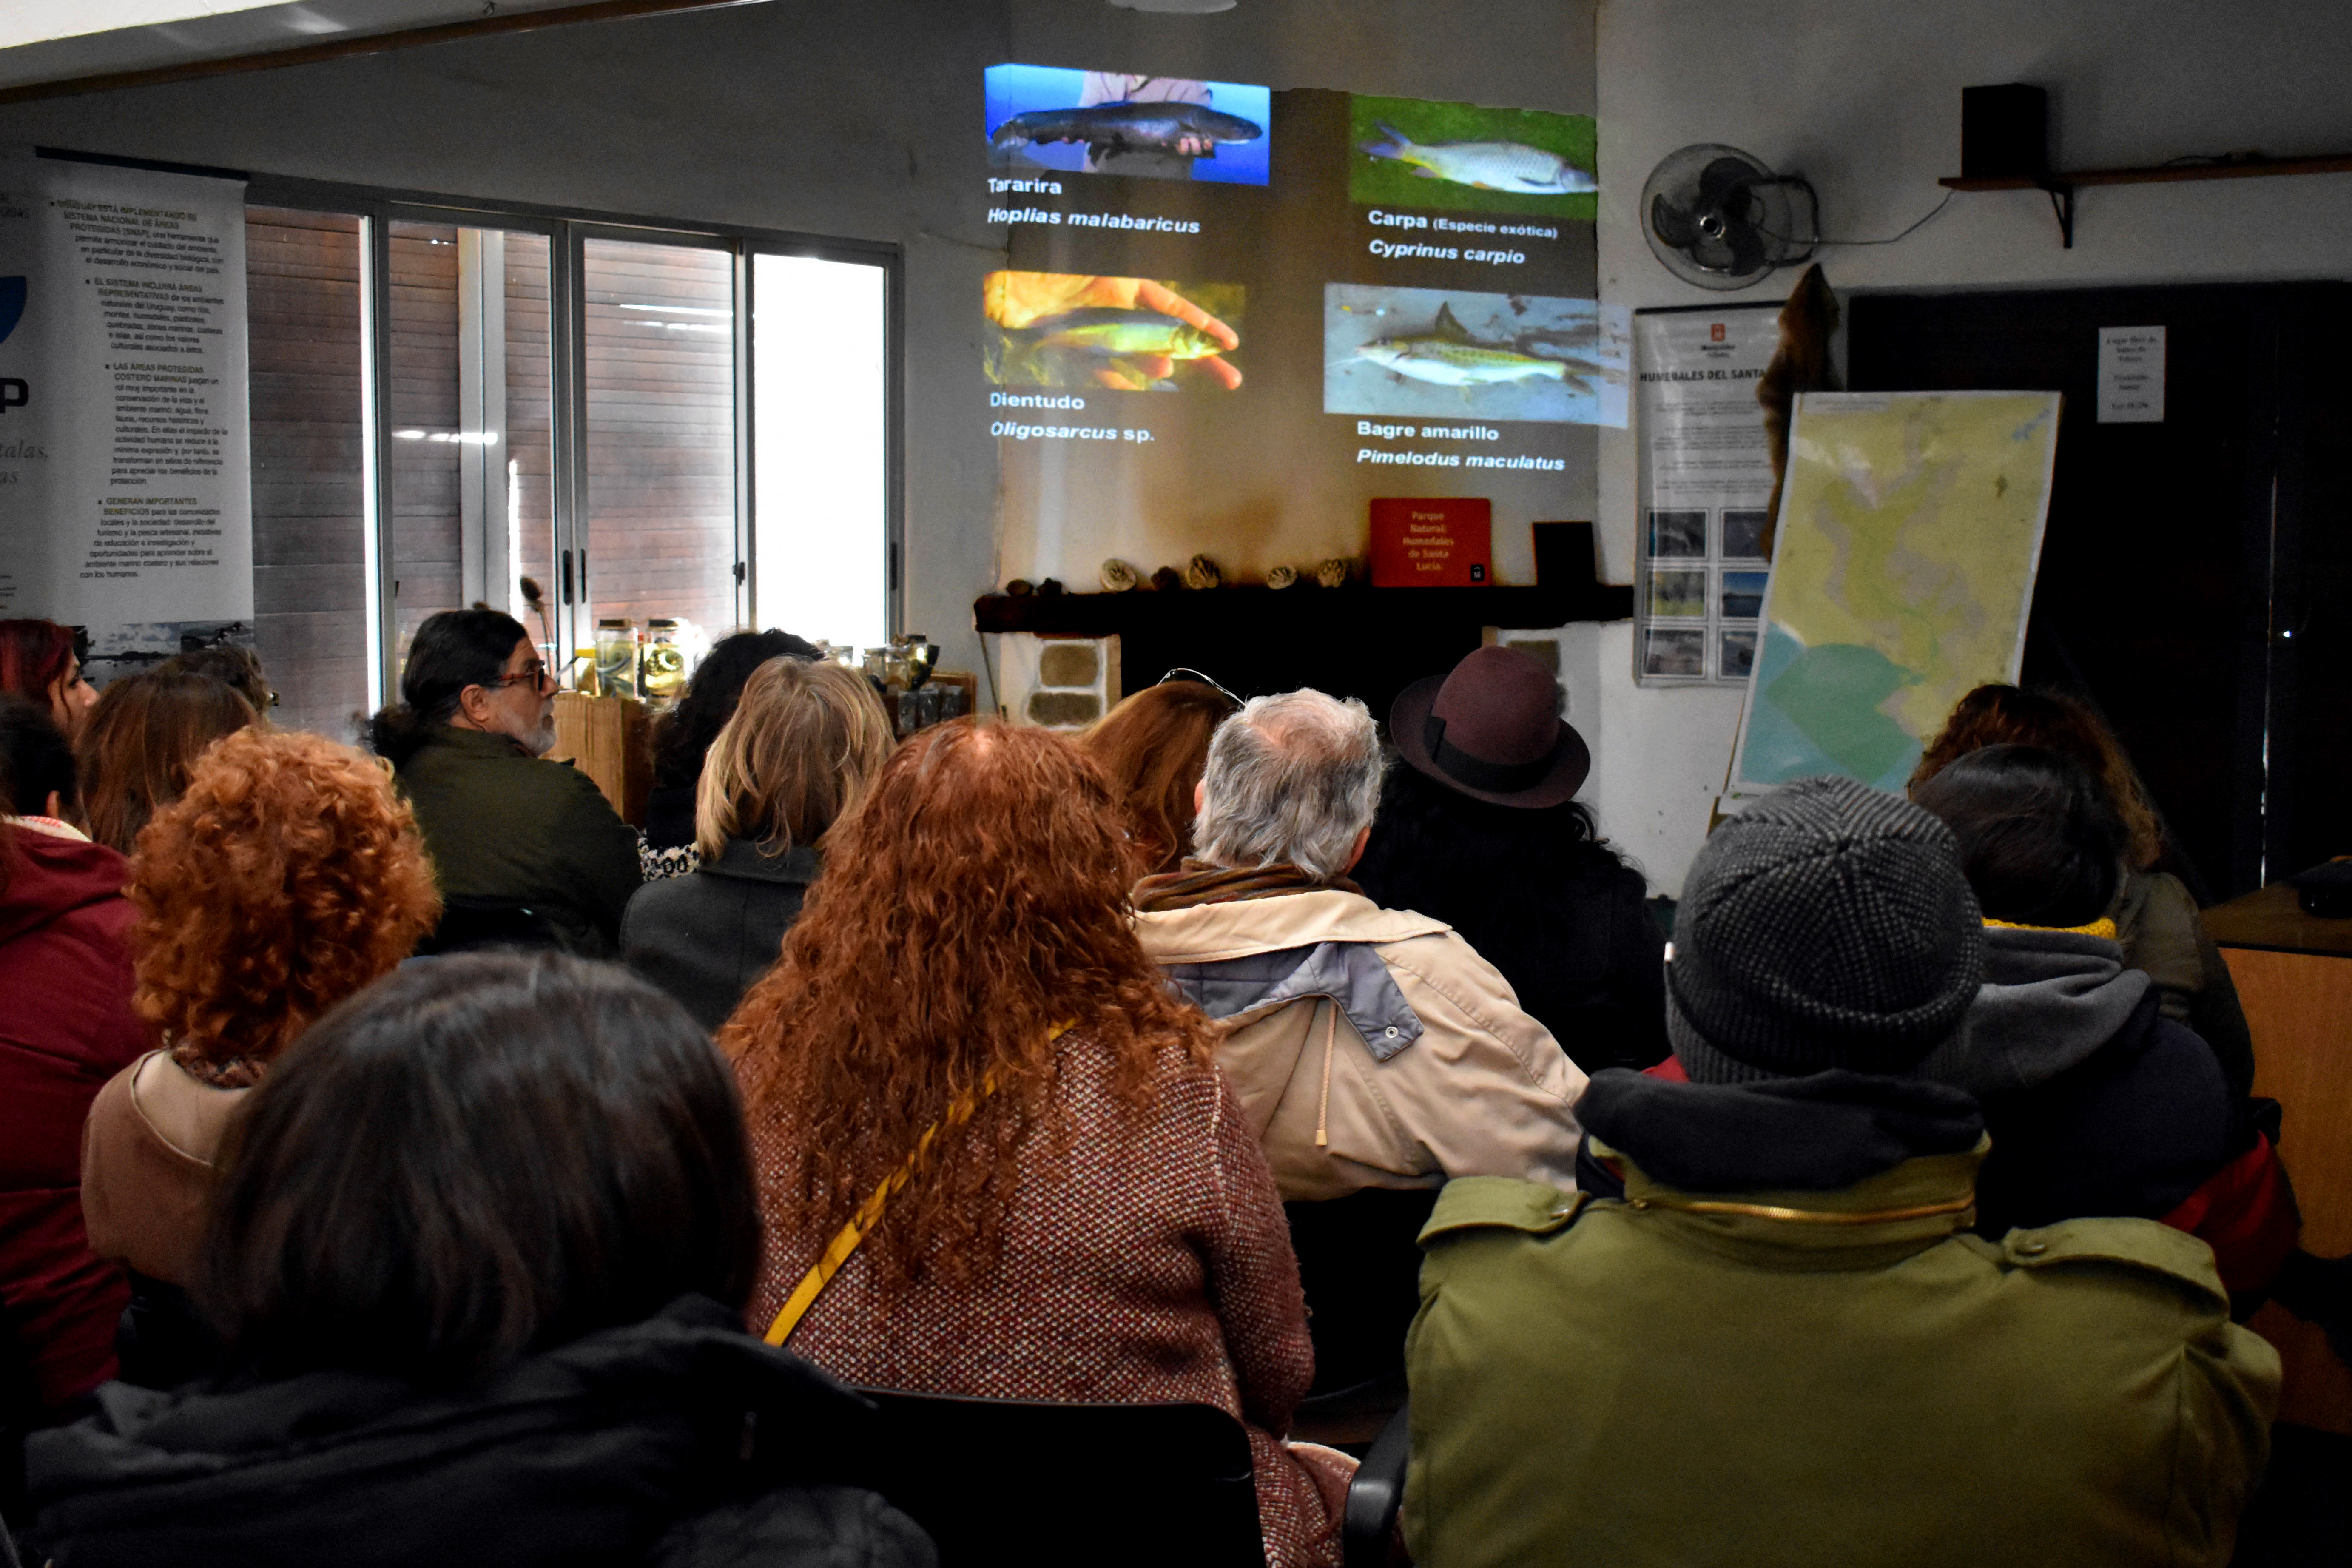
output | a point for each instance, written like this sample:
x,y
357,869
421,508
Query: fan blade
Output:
x,y
1710,255
1720,179
1747,248
1671,224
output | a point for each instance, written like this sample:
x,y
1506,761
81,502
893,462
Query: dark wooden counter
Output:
x,y
2272,920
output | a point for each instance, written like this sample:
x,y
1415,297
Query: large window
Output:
x,y
449,404
822,387
310,445
662,537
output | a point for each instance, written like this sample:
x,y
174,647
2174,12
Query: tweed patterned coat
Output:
x,y
1156,1266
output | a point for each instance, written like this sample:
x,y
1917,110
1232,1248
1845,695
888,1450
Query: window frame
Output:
x,y
568,231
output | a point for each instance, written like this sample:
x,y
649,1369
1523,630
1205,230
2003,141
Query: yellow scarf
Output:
x,y
2102,927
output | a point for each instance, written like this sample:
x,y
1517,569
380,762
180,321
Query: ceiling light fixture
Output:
x,y
1176,8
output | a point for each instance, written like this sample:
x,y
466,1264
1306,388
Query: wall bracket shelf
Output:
x,y
2060,187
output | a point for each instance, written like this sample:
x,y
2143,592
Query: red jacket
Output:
x,y
65,1026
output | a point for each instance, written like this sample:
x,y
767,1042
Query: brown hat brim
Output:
x,y
1571,760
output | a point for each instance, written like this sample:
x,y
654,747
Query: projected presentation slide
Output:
x,y
1403,314
1440,353
1105,122
1065,332
1463,157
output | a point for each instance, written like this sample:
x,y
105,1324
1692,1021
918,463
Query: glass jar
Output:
x,y
663,672
616,657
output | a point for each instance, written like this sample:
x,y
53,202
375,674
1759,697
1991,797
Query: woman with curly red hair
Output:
x,y
1084,1214
286,878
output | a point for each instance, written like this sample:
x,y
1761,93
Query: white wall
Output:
x,y
1862,97
861,120
1519,54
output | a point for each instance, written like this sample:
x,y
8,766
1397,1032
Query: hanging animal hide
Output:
x,y
1801,364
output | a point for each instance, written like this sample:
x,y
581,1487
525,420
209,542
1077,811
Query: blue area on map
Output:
x,y
1778,750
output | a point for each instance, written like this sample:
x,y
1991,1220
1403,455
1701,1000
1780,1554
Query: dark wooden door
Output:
x,y
2193,572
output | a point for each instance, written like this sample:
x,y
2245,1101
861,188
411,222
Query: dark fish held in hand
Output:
x,y
1110,128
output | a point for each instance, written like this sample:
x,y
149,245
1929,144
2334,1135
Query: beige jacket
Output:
x,y
1372,1047
147,1153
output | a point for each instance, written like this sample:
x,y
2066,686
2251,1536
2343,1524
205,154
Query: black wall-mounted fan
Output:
x,y
1719,219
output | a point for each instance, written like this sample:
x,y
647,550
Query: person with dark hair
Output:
x,y
1087,1216
1782,1345
683,734
2096,1102
42,779
803,749
65,1026
2156,918
505,1326
41,660
1154,746
509,833
233,665
1512,861
140,741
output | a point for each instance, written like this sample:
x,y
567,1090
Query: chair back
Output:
x,y
1359,1266
998,1481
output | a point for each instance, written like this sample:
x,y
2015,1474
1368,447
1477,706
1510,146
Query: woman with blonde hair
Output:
x,y
805,740
1055,1194
288,877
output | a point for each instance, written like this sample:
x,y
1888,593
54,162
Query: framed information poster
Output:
x,y
1707,483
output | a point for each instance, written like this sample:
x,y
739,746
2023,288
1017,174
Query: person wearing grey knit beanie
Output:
x,y
1828,925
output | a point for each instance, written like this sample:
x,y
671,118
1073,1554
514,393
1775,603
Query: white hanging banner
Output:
x,y
125,464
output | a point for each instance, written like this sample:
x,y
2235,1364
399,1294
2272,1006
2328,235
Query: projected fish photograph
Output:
x,y
1067,332
1445,354
1460,157
1110,122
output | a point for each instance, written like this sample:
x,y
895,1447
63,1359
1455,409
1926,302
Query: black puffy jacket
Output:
x,y
679,1442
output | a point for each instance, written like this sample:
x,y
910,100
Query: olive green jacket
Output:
x,y
502,824
1621,1384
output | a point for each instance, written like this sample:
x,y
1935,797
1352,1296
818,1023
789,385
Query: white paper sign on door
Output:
x,y
2131,375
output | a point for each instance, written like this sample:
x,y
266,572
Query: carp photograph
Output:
x,y
1445,353
1110,122
1460,157
1067,332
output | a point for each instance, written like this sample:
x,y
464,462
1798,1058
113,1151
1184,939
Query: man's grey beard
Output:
x,y
541,740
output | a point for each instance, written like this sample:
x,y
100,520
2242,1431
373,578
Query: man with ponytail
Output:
x,y
504,828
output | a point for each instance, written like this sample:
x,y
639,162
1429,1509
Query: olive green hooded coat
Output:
x,y
1822,1378
503,825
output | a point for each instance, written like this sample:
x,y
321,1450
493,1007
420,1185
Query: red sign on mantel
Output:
x,y
1424,543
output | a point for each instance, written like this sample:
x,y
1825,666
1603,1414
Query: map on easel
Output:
x,y
1909,536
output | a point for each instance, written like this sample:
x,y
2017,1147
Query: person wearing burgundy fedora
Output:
x,y
1480,827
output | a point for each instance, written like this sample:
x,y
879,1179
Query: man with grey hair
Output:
x,y
1370,1047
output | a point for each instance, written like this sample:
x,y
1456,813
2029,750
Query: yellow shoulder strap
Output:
x,y
870,1214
